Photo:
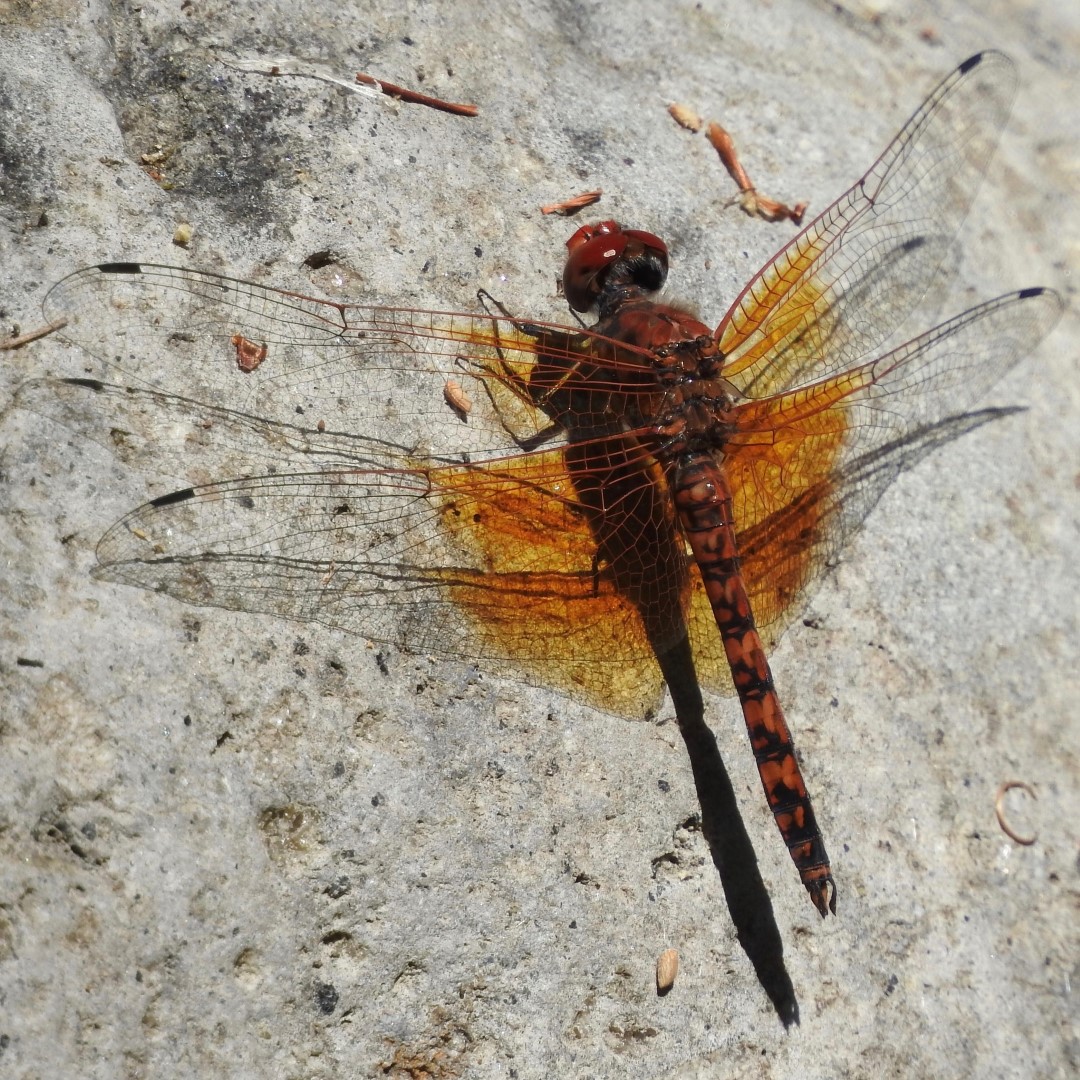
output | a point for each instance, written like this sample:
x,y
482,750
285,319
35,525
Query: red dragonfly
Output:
x,y
595,509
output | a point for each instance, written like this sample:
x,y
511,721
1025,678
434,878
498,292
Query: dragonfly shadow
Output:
x,y
729,843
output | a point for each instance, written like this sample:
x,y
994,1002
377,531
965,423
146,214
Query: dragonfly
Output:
x,y
595,509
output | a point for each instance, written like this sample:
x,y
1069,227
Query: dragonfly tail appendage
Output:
x,y
703,498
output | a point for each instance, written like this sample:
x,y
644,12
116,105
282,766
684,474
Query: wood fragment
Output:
x,y
415,97
571,206
750,202
249,354
362,83
32,335
724,145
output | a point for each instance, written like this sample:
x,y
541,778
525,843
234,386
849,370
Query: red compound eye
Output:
x,y
594,249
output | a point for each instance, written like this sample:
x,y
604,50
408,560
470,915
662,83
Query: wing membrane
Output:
x,y
457,561
809,464
304,362
841,287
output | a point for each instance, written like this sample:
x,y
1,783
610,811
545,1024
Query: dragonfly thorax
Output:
x,y
697,417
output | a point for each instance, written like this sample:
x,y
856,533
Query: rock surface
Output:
x,y
234,846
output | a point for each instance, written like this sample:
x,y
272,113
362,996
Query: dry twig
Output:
x,y
571,206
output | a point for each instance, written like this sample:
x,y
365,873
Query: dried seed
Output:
x,y
667,967
685,117
456,398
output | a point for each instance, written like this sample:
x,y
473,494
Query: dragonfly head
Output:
x,y
605,257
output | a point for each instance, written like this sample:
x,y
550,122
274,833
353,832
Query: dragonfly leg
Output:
x,y
525,327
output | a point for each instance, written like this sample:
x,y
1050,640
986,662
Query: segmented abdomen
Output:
x,y
703,500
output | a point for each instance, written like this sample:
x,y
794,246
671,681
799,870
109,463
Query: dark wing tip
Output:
x,y
1036,290
173,497
972,61
1053,307
119,268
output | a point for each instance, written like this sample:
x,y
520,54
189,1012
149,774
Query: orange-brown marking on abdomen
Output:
x,y
703,499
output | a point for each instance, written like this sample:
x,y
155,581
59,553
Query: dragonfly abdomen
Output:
x,y
703,500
